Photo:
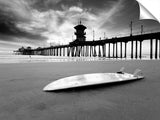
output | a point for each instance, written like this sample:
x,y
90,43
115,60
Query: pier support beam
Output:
x,y
86,54
83,49
116,50
80,51
45,52
121,49
87,51
53,51
95,54
156,48
68,51
108,50
76,51
132,49
60,51
99,51
90,51
64,51
113,49
50,52
104,50
136,49
159,48
140,49
125,54
56,51
151,48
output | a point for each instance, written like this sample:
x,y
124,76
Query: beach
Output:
x,y
22,96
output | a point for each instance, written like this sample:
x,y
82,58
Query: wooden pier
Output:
x,y
102,48
98,48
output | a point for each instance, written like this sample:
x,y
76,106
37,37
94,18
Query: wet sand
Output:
x,y
22,98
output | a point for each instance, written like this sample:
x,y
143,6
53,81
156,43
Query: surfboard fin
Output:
x,y
136,72
121,71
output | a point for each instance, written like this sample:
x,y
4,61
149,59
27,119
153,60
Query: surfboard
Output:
x,y
91,79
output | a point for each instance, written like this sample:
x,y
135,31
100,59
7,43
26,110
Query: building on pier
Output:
x,y
80,32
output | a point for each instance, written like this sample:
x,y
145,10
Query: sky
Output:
x,y
41,23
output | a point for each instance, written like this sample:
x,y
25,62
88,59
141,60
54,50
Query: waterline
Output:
x,y
36,59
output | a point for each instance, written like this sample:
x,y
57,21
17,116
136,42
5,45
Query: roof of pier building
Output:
x,y
80,26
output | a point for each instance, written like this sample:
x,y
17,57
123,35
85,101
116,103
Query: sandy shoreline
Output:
x,y
22,96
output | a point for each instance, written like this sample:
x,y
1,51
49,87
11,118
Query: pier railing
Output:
x,y
102,48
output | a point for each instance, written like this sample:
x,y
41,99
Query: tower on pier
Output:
x,y
80,32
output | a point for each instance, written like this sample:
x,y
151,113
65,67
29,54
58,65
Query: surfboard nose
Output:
x,y
49,87
45,88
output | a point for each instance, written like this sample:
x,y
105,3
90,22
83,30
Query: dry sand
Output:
x,y
22,98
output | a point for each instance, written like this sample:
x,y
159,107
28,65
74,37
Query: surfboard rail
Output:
x,y
92,79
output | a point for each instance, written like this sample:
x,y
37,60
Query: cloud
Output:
x,y
57,25
13,13
8,29
40,22
103,20
19,9
45,5
75,9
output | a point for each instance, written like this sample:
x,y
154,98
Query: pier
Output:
x,y
102,47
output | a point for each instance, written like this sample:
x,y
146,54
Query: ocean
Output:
x,y
35,58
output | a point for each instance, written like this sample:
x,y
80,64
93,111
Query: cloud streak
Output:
x,y
11,14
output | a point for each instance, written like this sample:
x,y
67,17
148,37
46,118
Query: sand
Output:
x,y
22,98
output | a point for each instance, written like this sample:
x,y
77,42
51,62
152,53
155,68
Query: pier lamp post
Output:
x,y
131,27
141,29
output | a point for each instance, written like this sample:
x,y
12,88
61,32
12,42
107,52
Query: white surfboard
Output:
x,y
91,79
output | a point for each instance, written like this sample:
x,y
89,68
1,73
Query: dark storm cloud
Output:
x,y
45,5
92,5
8,28
122,18
120,23
9,17
17,9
